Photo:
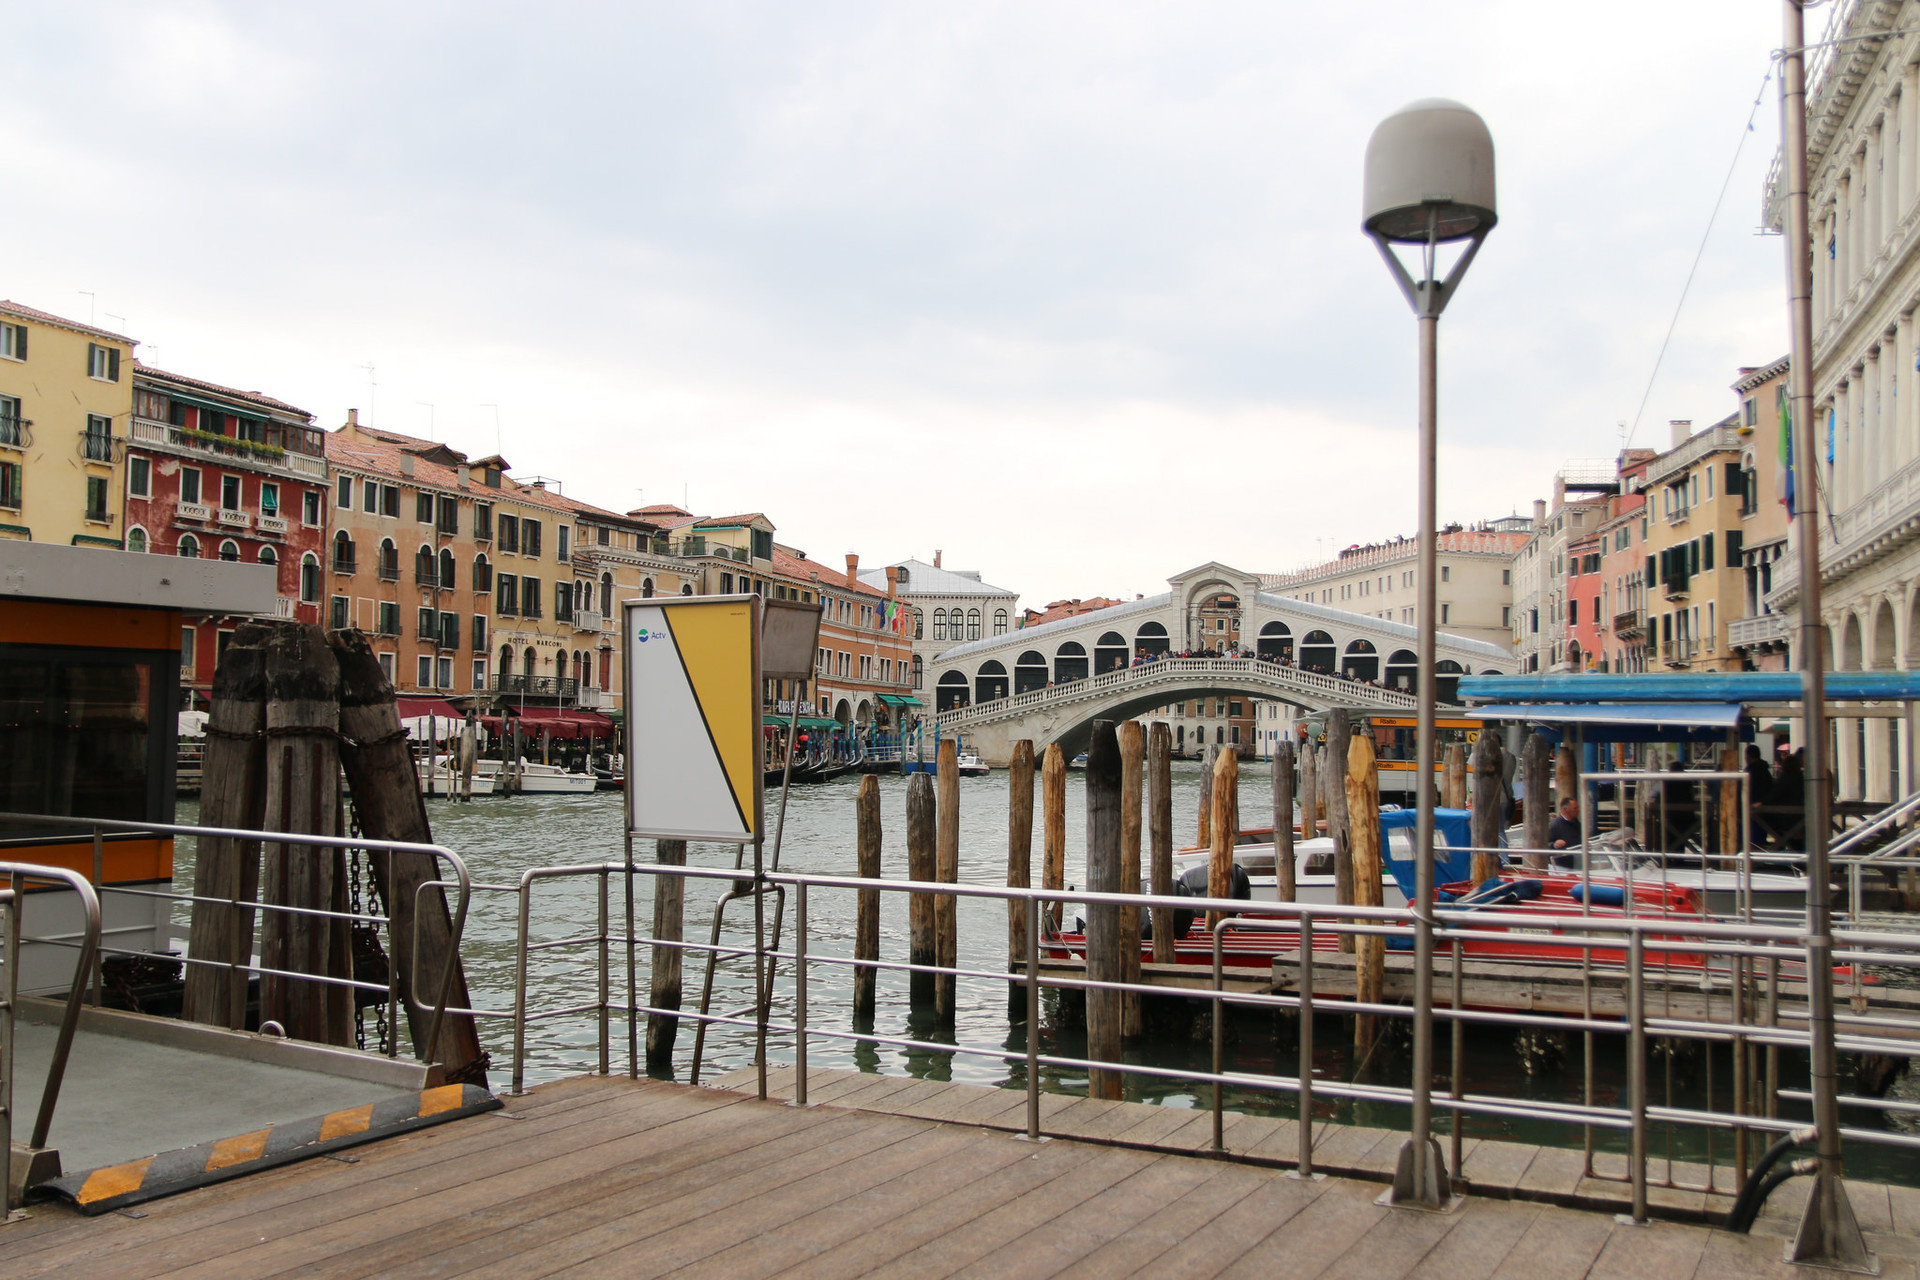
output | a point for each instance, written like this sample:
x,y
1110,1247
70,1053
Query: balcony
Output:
x,y
192,511
1764,629
1675,588
1677,653
234,519
586,620
99,448
343,565
273,525
283,606
16,433
537,686
272,457
1679,515
1628,625
390,572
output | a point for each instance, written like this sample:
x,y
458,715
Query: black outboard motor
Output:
x,y
1194,885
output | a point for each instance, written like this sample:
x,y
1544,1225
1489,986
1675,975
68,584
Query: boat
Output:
x,y
534,779
970,766
445,780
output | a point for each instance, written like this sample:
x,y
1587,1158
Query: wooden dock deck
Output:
x,y
617,1178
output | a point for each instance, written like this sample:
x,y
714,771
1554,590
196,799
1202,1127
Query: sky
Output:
x,y
1075,293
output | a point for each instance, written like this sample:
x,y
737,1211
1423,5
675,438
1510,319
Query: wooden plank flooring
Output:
x,y
613,1179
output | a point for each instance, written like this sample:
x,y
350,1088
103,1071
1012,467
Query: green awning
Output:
x,y
805,722
899,700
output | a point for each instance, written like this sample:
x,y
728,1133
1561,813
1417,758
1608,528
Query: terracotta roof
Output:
x,y
368,448
664,516
730,522
1060,609
47,317
141,370
800,568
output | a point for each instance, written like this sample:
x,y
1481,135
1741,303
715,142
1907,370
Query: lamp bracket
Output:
x,y
1429,296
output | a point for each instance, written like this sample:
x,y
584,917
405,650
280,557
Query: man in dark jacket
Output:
x,y
1564,831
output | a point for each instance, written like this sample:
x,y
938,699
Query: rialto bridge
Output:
x,y
1049,683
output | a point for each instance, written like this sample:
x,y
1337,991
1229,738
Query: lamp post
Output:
x,y
1429,182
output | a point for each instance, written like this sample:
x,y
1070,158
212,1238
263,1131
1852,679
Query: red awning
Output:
x,y
412,707
558,722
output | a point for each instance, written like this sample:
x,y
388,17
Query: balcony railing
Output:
x,y
1677,653
1678,515
586,620
98,448
148,431
271,524
234,519
192,511
283,606
537,686
1765,628
16,433
343,564
1675,588
1627,625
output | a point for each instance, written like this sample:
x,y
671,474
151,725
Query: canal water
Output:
x,y
502,836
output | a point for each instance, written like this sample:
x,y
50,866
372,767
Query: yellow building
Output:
x,y
1696,580
66,397
1758,631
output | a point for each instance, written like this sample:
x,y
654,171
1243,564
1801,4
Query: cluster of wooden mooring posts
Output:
x,y
294,707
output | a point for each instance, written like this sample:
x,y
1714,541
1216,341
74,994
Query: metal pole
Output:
x,y
1828,1231
1219,1046
800,994
1637,1070
1306,1045
520,990
604,958
633,986
1033,1019
1419,1181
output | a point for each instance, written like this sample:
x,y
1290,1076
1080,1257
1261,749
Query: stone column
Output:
x,y
1896,162
1870,194
1821,275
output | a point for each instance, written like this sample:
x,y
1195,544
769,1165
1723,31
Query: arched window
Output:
x,y
342,552
1110,653
999,622
939,624
189,548
686,588
991,684
137,539
389,560
646,588
310,578
973,623
1316,652
1361,661
919,672
506,662
919,625
482,573
531,662
424,572
1151,638
583,596
1446,680
229,550
606,593
1403,669
952,691
269,556
1030,672
447,582
1275,643
1070,662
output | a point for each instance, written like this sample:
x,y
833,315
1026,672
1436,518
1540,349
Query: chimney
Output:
x,y
406,465
936,559
1539,512
1680,429
893,580
853,569
353,418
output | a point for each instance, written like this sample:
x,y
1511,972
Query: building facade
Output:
x,y
221,474
1759,634
66,399
952,606
1696,583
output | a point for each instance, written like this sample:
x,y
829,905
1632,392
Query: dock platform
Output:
x,y
612,1178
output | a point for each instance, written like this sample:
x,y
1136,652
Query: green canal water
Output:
x,y
502,836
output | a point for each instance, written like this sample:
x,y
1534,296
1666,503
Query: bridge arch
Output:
x,y
1069,662
1317,652
1110,653
1030,672
991,683
1275,642
951,692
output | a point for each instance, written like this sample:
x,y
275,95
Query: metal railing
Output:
x,y
1632,972
241,970
18,876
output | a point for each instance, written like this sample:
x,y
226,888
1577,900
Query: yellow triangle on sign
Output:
x,y
716,649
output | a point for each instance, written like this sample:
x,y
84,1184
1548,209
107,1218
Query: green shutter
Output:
x,y
113,364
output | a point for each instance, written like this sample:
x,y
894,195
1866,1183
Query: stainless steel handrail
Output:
x,y
462,880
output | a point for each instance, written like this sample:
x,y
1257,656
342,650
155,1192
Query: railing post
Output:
x,y
1637,1069
604,959
1033,1019
99,883
1305,1067
520,989
800,994
1219,1043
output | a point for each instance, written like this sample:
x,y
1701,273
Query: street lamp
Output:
x,y
1429,182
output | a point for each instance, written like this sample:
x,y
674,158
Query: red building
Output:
x,y
220,474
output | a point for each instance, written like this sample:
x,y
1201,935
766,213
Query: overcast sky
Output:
x,y
1076,293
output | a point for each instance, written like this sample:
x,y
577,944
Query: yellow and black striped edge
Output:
x,y
118,1185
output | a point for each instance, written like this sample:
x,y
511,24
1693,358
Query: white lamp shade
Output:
x,y
1432,158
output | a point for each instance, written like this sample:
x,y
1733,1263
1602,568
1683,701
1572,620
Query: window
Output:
x,y
137,539
447,517
762,544
483,521
10,475
603,535
345,500
1446,573
13,341
370,497
449,634
390,501
229,493
427,625
139,478
386,665
337,613
423,668
97,498
389,622
423,508
229,550
563,599
726,584
479,633
973,624
426,571
189,547
270,500
482,574
479,674
446,673
506,595
103,363
509,539
447,581
1573,613
999,622
530,538
310,578
268,556
560,536
529,597
1506,615
939,624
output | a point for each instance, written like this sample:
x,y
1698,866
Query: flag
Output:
x,y
1785,475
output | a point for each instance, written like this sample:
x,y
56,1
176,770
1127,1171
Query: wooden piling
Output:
x,y
1339,743
1105,1019
1284,884
1566,779
1453,776
1309,792
1053,829
1536,768
1363,819
1729,815
1133,750
866,928
387,801
1203,836
232,794
946,907
1160,835
1489,807
1223,798
922,865
667,963
1019,868
303,787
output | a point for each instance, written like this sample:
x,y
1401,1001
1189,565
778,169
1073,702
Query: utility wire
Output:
x,y
1699,253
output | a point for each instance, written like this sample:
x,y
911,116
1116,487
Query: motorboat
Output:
x,y
531,778
970,766
444,779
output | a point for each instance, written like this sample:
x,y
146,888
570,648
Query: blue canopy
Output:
x,y
1703,686
1452,835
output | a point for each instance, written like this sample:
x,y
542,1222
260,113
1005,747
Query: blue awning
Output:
x,y
1703,686
1692,715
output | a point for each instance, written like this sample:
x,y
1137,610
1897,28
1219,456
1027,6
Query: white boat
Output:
x,y
535,779
970,766
445,780
1725,891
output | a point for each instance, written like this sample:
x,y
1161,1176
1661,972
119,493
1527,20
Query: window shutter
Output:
x,y
1735,541
20,341
1706,551
1652,579
113,364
